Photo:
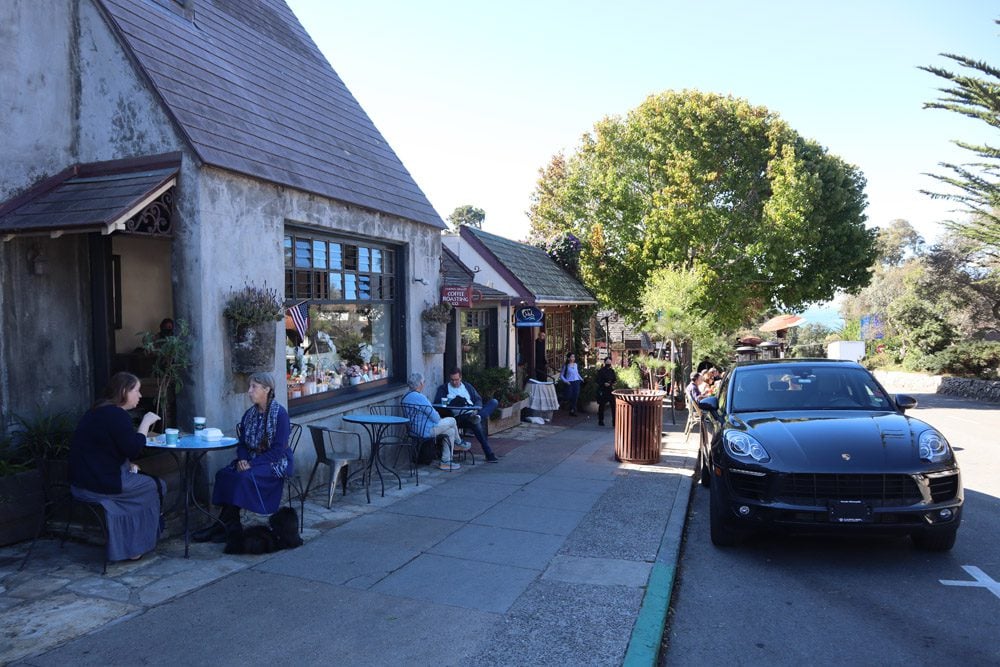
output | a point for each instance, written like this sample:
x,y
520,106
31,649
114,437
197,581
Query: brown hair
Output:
x,y
453,371
116,393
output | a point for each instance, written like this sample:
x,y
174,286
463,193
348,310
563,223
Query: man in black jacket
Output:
x,y
606,379
458,388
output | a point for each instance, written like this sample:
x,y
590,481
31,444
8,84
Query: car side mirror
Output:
x,y
709,404
904,402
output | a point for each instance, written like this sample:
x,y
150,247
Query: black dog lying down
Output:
x,y
282,532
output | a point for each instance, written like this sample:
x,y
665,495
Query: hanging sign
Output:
x,y
528,316
458,297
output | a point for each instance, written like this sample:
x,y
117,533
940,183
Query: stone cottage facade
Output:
x,y
160,154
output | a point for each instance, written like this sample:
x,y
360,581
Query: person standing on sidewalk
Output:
x,y
457,388
427,423
570,374
541,366
606,379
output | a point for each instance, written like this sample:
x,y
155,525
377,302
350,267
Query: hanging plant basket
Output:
x,y
252,346
434,336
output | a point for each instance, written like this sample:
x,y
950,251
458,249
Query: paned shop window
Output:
x,y
341,314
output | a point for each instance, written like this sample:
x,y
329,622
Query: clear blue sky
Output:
x,y
475,97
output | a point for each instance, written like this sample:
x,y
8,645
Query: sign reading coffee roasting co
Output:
x,y
458,297
528,316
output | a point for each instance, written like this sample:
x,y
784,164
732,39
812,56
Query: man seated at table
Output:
x,y
458,388
429,423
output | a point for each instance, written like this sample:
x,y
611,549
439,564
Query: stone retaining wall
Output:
x,y
918,383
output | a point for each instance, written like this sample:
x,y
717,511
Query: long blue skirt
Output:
x,y
133,515
257,490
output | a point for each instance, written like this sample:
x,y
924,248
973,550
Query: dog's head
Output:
x,y
285,527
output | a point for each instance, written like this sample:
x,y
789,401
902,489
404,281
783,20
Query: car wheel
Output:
x,y
722,533
704,472
935,541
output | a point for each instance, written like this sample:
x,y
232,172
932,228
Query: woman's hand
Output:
x,y
147,422
133,468
242,466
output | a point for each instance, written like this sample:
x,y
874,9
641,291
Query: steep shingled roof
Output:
x,y
253,94
545,280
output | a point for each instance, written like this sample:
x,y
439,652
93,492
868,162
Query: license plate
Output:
x,y
849,511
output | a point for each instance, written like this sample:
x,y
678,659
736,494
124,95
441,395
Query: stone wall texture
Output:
x,y
977,390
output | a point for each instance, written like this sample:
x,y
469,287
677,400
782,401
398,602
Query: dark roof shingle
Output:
x,y
253,94
540,275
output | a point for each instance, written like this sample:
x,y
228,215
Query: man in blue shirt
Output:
x,y
426,422
458,388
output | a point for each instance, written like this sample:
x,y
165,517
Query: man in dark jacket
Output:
x,y
606,379
541,365
456,388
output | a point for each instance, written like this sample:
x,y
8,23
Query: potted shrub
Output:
x,y
435,318
32,461
251,314
171,357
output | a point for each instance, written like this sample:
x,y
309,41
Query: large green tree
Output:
x,y
700,182
466,214
975,185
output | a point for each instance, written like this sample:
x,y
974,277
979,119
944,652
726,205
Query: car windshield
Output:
x,y
776,388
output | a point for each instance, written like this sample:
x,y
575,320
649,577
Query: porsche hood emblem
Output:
x,y
845,456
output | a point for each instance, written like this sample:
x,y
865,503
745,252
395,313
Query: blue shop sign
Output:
x,y
528,316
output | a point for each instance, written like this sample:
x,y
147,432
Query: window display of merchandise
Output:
x,y
340,299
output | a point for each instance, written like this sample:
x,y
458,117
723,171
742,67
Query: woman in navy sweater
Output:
x,y
101,470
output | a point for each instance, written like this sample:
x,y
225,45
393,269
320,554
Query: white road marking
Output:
x,y
981,580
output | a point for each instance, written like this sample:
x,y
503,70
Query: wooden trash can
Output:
x,y
638,425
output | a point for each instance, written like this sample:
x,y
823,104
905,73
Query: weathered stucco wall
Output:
x,y
37,91
238,239
46,317
69,94
118,115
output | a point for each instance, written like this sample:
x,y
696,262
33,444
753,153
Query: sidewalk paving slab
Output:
x,y
542,559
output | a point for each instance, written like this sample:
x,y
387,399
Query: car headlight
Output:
x,y
744,445
933,446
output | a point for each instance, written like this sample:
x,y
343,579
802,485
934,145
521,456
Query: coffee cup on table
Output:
x,y
171,436
199,425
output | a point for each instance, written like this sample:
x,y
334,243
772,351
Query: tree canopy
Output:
x,y
976,185
698,182
466,214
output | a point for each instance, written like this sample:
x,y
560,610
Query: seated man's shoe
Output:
x,y
209,533
463,446
449,467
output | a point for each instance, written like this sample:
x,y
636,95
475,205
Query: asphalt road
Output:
x,y
794,600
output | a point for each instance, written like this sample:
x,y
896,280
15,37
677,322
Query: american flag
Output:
x,y
300,316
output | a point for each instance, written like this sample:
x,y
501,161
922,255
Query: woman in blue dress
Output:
x,y
101,470
254,481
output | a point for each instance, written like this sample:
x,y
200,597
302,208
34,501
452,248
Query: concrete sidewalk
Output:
x,y
557,555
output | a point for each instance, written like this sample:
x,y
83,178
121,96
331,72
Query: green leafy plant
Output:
x,y
43,436
13,459
440,312
629,377
495,383
171,358
254,305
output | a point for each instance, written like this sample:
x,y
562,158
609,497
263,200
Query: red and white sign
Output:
x,y
458,297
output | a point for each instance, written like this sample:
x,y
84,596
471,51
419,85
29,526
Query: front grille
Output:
x,y
816,489
943,487
748,485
